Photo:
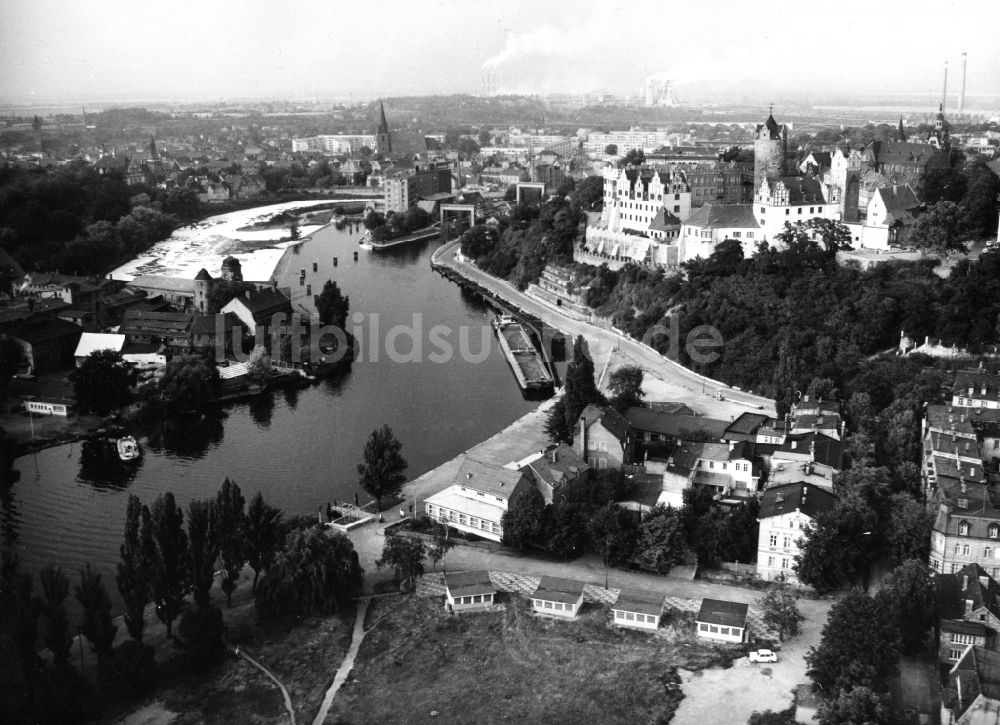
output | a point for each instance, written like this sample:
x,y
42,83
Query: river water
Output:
x,y
299,447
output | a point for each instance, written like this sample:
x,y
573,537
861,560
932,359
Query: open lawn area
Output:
x,y
304,655
419,664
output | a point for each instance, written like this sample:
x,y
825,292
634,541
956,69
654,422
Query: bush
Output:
x,y
130,671
202,629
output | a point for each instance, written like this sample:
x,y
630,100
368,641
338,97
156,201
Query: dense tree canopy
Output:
x,y
103,381
313,573
382,470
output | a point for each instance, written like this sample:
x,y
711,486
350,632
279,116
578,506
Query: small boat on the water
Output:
x,y
128,448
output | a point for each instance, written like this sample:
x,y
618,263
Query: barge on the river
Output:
x,y
528,366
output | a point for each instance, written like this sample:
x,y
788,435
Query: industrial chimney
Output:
x,y
944,89
961,90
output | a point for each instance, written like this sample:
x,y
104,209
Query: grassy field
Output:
x,y
421,665
304,655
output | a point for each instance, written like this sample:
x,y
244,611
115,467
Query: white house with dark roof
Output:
x,y
468,591
722,620
603,437
785,511
477,499
637,609
976,389
558,597
891,213
791,199
714,223
728,468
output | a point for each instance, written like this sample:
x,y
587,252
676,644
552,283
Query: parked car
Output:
x,y
763,655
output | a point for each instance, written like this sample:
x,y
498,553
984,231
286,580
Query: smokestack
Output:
x,y
961,89
944,89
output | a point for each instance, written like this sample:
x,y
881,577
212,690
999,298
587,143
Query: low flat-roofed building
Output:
x,y
722,620
638,609
558,597
467,591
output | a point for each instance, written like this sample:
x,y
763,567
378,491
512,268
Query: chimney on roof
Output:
x,y
984,581
468,475
965,582
555,456
247,294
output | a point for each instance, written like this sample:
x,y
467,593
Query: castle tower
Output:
x,y
232,271
383,142
770,149
202,287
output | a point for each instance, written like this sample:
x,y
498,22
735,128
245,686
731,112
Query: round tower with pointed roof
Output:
x,y
770,149
202,287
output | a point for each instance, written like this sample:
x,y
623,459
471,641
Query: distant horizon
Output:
x,y
106,51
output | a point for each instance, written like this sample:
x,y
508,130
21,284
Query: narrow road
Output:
x,y
606,339
347,665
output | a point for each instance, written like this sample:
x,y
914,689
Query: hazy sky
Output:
x,y
80,50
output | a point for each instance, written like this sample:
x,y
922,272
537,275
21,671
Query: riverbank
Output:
x,y
675,382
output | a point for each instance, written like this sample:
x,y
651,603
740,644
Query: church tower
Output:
x,y
901,132
383,142
941,135
770,149
232,270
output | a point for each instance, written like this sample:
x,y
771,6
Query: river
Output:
x,y
299,447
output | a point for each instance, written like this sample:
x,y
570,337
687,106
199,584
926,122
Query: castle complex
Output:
x,y
651,217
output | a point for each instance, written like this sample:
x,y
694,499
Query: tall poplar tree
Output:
x,y
203,546
170,573
229,511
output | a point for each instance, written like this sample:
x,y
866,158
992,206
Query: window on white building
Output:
x,y
963,527
774,539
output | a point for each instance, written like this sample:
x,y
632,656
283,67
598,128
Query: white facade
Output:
x,y
778,543
721,632
462,509
553,608
774,206
48,407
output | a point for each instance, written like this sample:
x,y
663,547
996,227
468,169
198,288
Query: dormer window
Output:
x,y
963,503
993,531
963,528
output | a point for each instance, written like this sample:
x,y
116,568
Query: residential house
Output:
x,y
170,329
637,609
604,438
477,499
890,216
791,199
785,511
745,428
654,425
728,468
91,342
722,620
976,389
259,308
46,344
816,416
968,605
468,591
714,223
811,457
972,693
555,468
558,597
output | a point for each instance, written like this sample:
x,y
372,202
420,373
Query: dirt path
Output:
x,y
347,665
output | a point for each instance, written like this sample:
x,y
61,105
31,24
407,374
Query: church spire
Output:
x,y
152,148
901,133
383,141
